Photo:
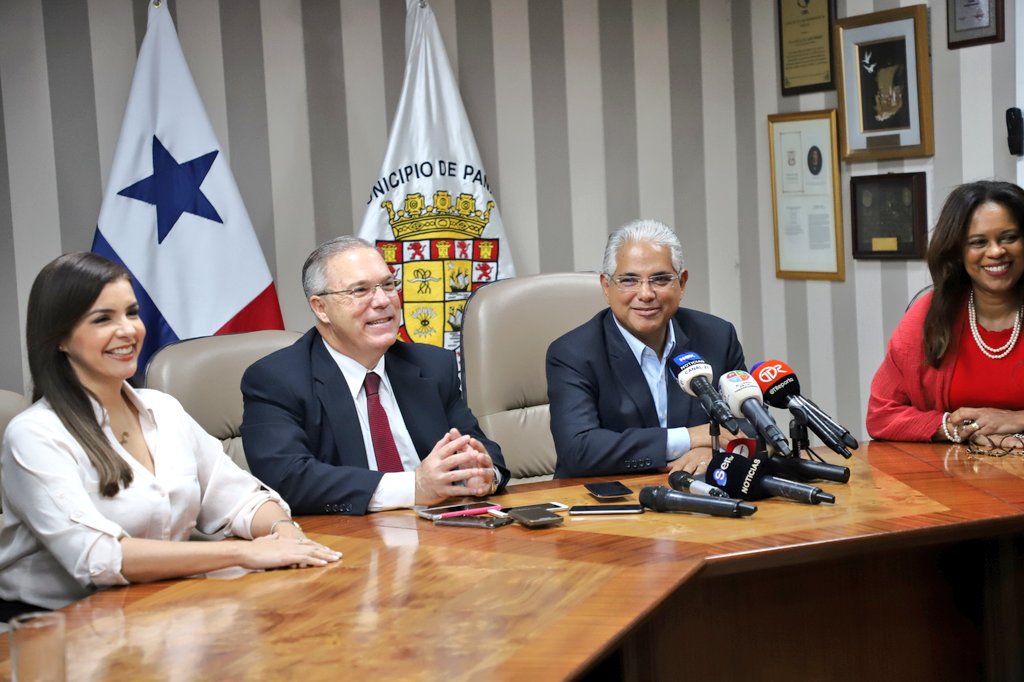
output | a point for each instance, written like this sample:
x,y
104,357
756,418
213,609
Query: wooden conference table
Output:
x,y
915,573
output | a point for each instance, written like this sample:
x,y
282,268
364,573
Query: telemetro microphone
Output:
x,y
781,389
663,499
748,479
744,398
695,378
684,482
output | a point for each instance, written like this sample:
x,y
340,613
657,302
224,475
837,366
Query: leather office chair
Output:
x,y
205,375
506,330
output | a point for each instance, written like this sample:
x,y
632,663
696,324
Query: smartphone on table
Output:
x,y
447,511
608,490
478,521
535,517
548,506
594,509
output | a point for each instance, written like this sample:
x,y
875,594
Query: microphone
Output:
x,y
747,479
695,378
684,481
740,391
781,389
807,469
662,499
844,435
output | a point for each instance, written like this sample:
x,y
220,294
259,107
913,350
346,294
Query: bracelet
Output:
x,y
273,526
952,437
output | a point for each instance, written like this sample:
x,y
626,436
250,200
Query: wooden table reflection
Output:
x,y
908,574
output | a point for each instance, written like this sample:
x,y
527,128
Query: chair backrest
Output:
x,y
205,375
11,403
507,327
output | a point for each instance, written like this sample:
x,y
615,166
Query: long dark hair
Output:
x,y
62,294
946,257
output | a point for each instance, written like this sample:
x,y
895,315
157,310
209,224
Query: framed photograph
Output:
x,y
806,215
973,22
885,84
888,216
805,45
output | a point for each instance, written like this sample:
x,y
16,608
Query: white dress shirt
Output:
x,y
654,371
60,539
396,490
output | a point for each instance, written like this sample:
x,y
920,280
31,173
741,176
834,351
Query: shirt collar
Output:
x,y
100,413
637,346
354,372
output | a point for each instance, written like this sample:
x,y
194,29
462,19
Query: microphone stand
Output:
x,y
806,469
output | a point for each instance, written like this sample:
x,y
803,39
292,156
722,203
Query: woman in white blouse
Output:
x,y
103,484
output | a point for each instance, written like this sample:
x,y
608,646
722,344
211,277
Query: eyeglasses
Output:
x,y
365,291
633,283
1007,444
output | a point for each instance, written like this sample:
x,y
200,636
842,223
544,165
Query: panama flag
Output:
x,y
430,210
172,213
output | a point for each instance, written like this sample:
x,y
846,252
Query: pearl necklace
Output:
x,y
989,351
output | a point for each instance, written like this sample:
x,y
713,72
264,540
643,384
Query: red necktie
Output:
x,y
380,429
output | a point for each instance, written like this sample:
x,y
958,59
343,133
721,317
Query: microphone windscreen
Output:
x,y
737,475
777,382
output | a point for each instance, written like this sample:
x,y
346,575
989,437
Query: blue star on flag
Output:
x,y
174,189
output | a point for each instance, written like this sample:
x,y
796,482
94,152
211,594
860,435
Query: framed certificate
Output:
x,y
887,213
805,45
806,216
885,84
973,22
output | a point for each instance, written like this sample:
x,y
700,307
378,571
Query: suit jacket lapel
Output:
x,y
336,402
682,409
424,416
628,372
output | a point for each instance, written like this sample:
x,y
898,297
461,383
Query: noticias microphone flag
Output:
x,y
172,213
430,210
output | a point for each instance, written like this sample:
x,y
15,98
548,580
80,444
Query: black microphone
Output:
x,y
844,435
807,469
748,479
684,481
662,499
781,389
695,378
744,398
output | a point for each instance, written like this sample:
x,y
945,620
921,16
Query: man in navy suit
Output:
x,y
613,406
348,421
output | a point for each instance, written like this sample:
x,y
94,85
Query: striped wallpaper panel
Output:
x,y
587,113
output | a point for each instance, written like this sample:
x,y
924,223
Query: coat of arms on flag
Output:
x,y
440,258
431,212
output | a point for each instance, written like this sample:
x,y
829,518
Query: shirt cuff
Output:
x,y
396,490
678,443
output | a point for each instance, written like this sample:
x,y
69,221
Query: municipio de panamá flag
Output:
x,y
430,211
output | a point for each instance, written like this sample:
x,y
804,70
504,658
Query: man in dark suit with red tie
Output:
x,y
613,406
348,421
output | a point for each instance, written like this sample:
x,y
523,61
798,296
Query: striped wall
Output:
x,y
587,113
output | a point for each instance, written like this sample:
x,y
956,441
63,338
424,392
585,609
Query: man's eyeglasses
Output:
x,y
633,283
364,291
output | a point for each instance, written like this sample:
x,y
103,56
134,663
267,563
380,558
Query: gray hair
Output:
x,y
314,270
650,231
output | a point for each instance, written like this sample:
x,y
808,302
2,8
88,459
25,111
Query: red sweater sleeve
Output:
x,y
908,396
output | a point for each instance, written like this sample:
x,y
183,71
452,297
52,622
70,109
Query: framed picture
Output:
x,y
888,216
885,84
806,214
805,45
973,22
